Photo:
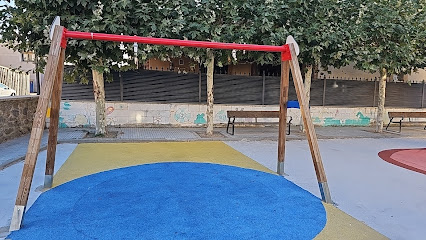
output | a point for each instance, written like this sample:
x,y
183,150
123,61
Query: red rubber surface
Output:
x,y
412,159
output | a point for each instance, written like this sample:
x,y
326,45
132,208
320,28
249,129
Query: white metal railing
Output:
x,y
19,81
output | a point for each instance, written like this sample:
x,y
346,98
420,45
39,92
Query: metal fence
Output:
x,y
365,93
159,86
19,81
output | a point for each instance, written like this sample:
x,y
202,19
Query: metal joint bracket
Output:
x,y
280,169
18,214
325,192
48,181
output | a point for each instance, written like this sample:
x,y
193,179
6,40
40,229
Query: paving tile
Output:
x,y
155,133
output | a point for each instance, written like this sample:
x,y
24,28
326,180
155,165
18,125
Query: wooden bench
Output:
x,y
259,114
252,114
404,115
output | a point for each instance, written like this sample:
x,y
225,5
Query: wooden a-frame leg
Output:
x,y
285,72
54,122
37,130
309,127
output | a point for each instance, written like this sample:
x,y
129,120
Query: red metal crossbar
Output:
x,y
284,50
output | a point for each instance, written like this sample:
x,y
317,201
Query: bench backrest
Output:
x,y
261,114
407,114
253,114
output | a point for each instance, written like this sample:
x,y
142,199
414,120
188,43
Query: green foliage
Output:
x,y
314,23
25,26
374,34
390,34
320,27
204,20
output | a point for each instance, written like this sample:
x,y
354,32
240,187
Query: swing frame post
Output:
x,y
54,122
285,72
53,62
309,127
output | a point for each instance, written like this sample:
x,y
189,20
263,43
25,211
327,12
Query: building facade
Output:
x,y
22,61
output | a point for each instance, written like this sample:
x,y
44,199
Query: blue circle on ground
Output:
x,y
175,201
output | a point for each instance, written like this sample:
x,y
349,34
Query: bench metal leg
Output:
x,y
400,125
390,121
233,126
289,124
230,123
227,126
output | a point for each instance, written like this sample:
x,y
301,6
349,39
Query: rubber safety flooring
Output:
x,y
178,190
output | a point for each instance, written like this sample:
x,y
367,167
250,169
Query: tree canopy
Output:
x,y
373,34
25,26
390,34
389,37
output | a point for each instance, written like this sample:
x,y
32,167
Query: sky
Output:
x,y
2,2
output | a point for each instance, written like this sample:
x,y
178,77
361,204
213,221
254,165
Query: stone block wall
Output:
x,y
16,116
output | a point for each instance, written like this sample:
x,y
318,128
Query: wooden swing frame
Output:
x,y
52,88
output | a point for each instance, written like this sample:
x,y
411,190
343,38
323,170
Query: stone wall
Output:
x,y
16,116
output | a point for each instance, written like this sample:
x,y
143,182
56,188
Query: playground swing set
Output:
x,y
52,89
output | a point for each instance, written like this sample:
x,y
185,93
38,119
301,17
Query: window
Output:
x,y
28,57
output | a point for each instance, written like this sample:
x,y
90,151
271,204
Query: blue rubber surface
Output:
x,y
175,201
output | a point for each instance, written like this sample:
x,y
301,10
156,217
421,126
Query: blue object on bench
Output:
x,y
293,104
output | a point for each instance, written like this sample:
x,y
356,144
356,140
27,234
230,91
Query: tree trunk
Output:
x,y
381,104
308,80
99,92
210,98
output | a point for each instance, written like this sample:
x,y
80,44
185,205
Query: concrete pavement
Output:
x,y
14,150
255,142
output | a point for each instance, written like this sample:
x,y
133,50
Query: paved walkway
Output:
x,y
14,150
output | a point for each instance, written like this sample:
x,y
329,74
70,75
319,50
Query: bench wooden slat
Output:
x,y
253,114
407,114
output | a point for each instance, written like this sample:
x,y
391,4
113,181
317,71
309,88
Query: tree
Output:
x,y
31,34
319,27
203,20
322,30
196,20
25,27
390,38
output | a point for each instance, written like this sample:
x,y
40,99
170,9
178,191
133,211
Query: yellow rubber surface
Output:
x,y
342,226
91,158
